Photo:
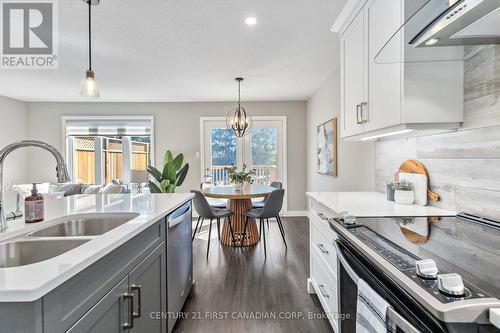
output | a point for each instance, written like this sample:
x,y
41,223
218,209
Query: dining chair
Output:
x,y
205,211
260,203
215,203
271,209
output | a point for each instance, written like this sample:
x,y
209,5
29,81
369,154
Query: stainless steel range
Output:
x,y
444,271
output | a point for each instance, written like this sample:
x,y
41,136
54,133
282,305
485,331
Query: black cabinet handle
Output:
x,y
323,291
130,323
323,217
139,300
322,248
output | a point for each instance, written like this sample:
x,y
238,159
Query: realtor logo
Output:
x,y
29,34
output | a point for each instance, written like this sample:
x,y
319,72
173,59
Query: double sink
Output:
x,y
61,237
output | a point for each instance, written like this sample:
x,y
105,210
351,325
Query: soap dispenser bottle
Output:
x,y
33,206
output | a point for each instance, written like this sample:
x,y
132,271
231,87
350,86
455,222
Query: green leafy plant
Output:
x,y
404,185
240,177
173,174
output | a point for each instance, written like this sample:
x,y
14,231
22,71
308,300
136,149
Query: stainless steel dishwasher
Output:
x,y
179,261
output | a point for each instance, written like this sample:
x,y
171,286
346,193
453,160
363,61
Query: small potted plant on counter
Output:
x,y
404,193
240,178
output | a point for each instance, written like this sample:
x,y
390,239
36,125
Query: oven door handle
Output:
x,y
344,262
400,322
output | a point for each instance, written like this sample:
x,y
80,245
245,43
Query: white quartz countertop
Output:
x,y
31,282
372,204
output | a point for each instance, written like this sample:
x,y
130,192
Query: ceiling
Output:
x,y
188,50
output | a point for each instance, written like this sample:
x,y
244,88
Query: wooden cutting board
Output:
x,y
414,166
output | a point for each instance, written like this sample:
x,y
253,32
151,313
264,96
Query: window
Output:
x,y
223,154
264,154
100,150
84,160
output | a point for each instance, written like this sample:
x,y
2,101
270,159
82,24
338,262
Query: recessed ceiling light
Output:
x,y
432,41
251,20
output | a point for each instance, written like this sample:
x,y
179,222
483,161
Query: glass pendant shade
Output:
x,y
89,87
238,121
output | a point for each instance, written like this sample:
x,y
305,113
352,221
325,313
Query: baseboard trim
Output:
x,y
290,213
297,213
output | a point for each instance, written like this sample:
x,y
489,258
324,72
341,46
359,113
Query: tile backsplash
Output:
x,y
463,166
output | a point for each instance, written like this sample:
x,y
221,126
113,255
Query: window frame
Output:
x,y
66,119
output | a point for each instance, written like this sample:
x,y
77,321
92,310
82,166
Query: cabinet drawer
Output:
x,y
325,285
322,241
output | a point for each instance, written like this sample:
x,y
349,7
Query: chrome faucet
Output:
x,y
61,169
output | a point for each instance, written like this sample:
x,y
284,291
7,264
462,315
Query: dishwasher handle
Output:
x,y
172,223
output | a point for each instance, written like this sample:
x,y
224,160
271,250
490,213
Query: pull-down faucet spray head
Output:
x,y
61,169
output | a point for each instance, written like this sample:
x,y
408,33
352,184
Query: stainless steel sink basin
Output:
x,y
89,226
29,251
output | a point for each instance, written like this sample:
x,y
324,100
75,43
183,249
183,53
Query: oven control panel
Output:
x,y
446,287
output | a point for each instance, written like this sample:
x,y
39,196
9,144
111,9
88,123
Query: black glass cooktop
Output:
x,y
467,245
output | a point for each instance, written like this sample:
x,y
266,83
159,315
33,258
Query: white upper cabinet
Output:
x,y
383,18
381,98
353,76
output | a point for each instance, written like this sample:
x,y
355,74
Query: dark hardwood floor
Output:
x,y
237,290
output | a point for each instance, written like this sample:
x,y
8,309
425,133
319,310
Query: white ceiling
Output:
x,y
188,50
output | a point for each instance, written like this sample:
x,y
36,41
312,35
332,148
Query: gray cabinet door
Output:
x,y
148,285
108,315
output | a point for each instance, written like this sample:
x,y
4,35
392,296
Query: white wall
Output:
x,y
356,161
13,127
177,127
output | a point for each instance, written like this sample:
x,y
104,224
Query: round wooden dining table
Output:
x,y
239,202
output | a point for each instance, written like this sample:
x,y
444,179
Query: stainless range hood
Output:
x,y
438,30
464,22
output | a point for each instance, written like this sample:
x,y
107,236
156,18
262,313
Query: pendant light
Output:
x,y
238,121
89,87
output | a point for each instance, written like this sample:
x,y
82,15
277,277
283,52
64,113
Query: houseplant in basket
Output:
x,y
404,193
240,178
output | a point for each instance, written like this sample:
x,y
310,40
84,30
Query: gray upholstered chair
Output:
x,y
260,204
215,203
206,212
271,209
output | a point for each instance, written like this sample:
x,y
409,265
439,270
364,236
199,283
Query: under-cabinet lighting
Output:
x,y
432,41
386,134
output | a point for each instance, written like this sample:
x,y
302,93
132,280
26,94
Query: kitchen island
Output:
x,y
90,278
